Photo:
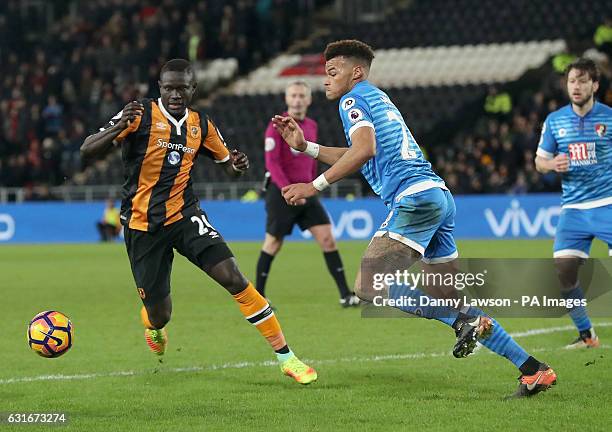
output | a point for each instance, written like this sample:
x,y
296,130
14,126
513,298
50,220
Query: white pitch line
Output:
x,y
267,363
547,330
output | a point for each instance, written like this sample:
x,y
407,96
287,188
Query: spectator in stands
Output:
x,y
73,61
52,116
603,37
109,227
108,106
63,60
498,104
561,60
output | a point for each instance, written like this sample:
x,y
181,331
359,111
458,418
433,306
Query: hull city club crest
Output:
x,y
195,131
600,129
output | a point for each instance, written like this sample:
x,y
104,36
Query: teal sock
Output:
x,y
282,358
444,314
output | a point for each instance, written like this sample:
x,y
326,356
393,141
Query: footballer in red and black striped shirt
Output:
x,y
160,140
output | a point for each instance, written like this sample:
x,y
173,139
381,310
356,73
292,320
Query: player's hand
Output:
x,y
240,161
560,163
296,194
291,132
130,112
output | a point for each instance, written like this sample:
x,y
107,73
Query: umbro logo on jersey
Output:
x,y
600,129
562,132
161,125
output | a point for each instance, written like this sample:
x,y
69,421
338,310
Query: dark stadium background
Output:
x,y
67,66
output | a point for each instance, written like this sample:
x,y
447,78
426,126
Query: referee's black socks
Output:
x,y
263,268
334,265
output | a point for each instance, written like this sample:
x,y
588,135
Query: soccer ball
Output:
x,y
50,334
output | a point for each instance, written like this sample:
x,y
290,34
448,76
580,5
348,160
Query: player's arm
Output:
x,y
363,148
330,155
237,164
547,159
234,163
119,127
292,133
559,163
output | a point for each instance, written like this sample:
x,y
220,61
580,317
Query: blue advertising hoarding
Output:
x,y
478,217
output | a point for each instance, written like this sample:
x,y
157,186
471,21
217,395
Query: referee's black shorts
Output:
x,y
281,217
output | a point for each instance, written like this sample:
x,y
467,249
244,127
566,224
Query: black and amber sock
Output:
x,y
145,319
258,312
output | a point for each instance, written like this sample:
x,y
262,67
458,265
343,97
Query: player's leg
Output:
x,y
500,342
271,246
209,251
536,376
102,231
280,218
439,258
154,317
396,246
387,256
572,246
258,312
323,235
151,259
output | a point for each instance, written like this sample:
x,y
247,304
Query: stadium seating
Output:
x,y
465,22
417,67
95,56
243,119
436,59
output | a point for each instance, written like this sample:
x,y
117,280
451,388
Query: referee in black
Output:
x,y
286,166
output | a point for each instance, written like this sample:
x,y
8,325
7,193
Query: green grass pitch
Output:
x,y
374,374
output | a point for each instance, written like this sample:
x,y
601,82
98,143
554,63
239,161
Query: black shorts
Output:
x,y
151,253
281,216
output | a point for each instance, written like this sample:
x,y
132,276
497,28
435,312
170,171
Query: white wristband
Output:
x,y
320,183
312,149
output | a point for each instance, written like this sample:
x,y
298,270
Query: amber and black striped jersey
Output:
x,y
158,154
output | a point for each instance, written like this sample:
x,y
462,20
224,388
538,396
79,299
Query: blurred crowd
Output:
x,y
67,67
496,156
